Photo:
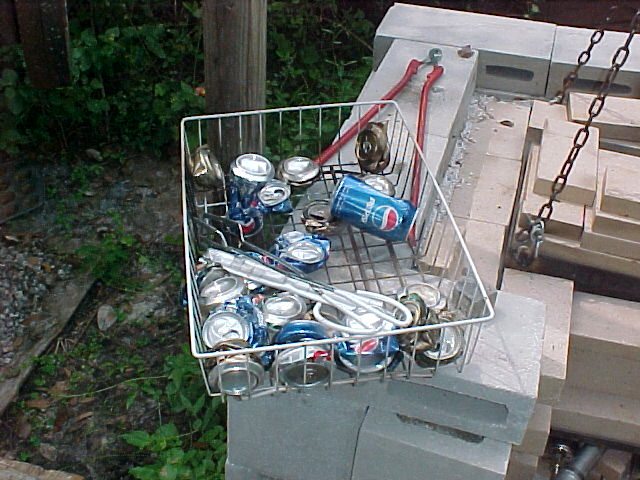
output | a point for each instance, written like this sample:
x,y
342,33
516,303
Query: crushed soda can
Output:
x,y
372,211
380,183
448,348
205,168
372,148
305,366
250,220
282,308
250,172
220,290
259,335
223,325
298,171
317,218
421,315
307,252
275,197
235,374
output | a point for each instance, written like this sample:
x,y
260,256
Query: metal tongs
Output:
x,y
342,300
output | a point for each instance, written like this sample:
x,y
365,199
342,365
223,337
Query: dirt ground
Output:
x,y
76,403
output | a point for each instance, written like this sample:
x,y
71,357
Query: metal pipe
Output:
x,y
585,460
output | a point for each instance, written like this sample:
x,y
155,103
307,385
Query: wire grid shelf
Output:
x,y
357,260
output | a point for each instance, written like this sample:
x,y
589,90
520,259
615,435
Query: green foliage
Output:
x,y
198,453
133,76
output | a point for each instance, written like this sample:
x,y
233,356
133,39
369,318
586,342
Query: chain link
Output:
x,y
524,253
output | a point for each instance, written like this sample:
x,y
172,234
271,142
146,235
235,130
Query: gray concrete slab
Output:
x,y
404,448
514,54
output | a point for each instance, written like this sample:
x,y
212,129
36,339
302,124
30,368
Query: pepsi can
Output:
x,y
249,173
305,251
364,207
274,197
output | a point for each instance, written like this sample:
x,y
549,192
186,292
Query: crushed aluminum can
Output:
x,y
205,168
298,171
237,374
421,315
368,355
372,148
259,335
222,325
380,183
305,251
275,197
282,308
220,290
449,347
250,221
248,173
317,218
429,294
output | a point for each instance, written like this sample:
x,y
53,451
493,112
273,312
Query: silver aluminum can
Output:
x,y
372,148
253,168
429,294
380,183
205,168
298,171
274,193
236,375
221,290
304,366
222,326
282,308
449,347
317,218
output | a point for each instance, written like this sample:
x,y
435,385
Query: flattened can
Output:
x,y
274,197
364,207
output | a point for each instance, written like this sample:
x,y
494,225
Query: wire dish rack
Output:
x,y
358,262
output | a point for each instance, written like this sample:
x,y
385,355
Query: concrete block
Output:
x,y
606,326
570,41
485,242
615,465
571,251
537,434
508,122
607,243
520,65
599,415
496,190
619,119
621,192
493,396
263,432
614,225
554,148
557,295
567,220
590,370
449,97
607,158
522,466
404,448
542,111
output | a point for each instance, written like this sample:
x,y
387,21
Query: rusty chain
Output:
x,y
532,235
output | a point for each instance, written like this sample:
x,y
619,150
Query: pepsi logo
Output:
x,y
388,218
366,346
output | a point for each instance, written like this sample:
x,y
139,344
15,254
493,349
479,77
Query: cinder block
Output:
x,y
493,396
571,251
613,374
496,190
607,158
542,111
606,326
599,415
619,119
537,434
567,220
570,41
485,242
615,464
522,466
554,148
520,65
557,295
265,432
621,193
607,243
400,447
508,123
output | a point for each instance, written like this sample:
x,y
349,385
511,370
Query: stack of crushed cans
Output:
x,y
240,313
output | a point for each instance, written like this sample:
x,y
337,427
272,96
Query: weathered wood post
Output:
x,y
235,37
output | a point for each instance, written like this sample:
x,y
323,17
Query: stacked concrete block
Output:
x,y
570,42
619,118
396,446
601,398
520,65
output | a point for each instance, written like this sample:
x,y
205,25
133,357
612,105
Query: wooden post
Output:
x,y
235,37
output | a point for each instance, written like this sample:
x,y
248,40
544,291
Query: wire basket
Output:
x,y
358,261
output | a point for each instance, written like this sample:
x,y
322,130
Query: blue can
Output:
x,y
258,335
305,251
300,331
376,213
368,356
